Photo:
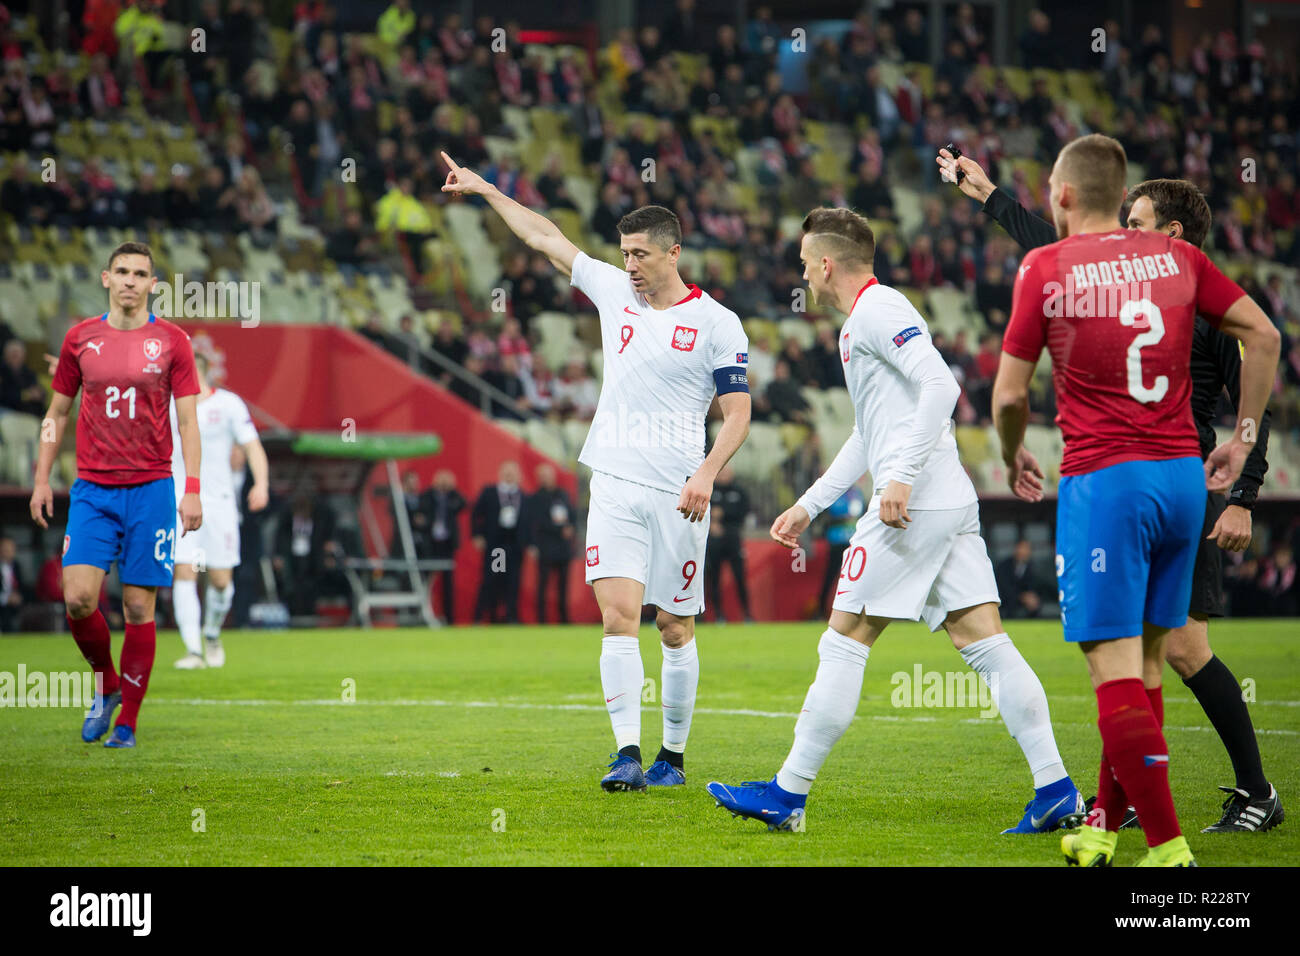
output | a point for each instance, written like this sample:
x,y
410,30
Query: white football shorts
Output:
x,y
635,531
216,543
935,566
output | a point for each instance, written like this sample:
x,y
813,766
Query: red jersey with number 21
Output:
x,y
1115,311
127,378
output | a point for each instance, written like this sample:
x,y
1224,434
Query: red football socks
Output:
x,y
137,663
1135,748
1108,811
1156,696
91,635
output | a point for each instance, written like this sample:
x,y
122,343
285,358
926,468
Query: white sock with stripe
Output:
x,y
621,676
185,605
1019,697
216,608
679,679
827,710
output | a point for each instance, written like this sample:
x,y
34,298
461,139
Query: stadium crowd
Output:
x,y
1207,117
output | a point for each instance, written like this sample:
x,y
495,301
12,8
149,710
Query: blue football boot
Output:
x,y
624,774
123,736
664,774
101,715
764,801
1054,805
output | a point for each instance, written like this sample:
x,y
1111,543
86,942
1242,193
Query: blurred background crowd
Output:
x,y
304,139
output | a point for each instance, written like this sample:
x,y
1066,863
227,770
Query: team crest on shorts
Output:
x,y
684,338
593,556
67,540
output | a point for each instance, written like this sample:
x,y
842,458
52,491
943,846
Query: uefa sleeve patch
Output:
x,y
742,358
903,336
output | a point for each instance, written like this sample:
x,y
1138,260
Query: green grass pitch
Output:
x,y
484,747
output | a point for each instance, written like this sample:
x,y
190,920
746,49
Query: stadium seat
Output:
x,y
558,343
793,436
840,403
185,251
546,437
761,454
907,207
799,330
761,330
575,434
583,191
973,445
19,434
950,311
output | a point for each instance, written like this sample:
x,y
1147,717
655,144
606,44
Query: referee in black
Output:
x,y
1177,208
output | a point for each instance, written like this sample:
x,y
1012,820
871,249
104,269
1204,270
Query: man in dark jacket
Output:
x,y
550,537
1019,583
498,533
1176,208
442,504
300,543
728,509
19,389
416,519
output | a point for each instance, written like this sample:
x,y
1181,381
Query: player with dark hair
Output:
x,y
916,553
127,364
669,348
1115,308
1177,208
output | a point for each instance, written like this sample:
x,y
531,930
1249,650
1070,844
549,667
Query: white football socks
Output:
x,y
679,679
621,675
216,607
185,605
827,710
1019,697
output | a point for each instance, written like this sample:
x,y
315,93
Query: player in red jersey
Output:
x,y
128,364
1116,308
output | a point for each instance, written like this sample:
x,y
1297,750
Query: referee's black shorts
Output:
x,y
1207,575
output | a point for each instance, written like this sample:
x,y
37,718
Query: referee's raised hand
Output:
x,y
975,183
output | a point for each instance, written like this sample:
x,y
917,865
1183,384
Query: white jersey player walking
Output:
x,y
224,424
917,551
668,349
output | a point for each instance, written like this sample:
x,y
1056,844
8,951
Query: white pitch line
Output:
x,y
522,705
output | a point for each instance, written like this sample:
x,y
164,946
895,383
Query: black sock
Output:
x,y
1220,697
632,751
676,759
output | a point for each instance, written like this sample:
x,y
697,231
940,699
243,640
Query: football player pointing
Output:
x,y
917,551
128,364
668,349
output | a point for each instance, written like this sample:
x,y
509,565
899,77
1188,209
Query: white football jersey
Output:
x,y
223,423
887,353
662,369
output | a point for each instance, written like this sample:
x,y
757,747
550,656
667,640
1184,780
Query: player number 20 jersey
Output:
x,y
886,351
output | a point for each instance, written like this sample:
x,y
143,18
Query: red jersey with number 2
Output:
x,y
127,378
1115,311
